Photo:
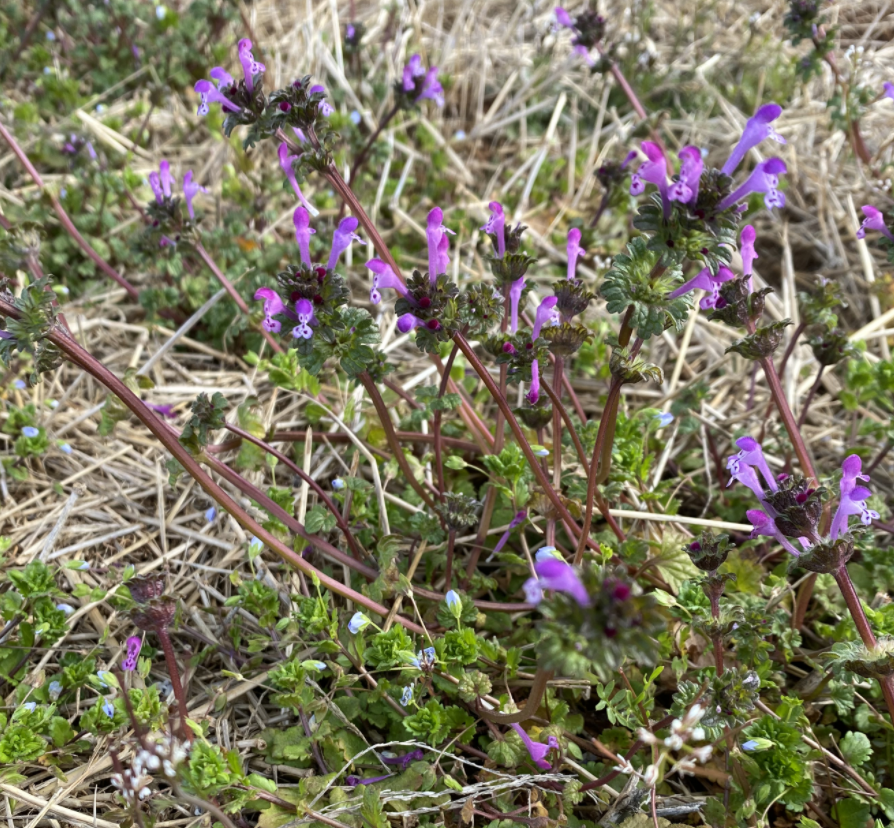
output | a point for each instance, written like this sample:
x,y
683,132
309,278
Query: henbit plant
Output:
x,y
596,617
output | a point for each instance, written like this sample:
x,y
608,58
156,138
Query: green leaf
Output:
x,y
856,748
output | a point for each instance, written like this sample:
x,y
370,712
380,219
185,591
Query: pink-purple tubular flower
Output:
x,y
515,292
519,518
889,89
654,170
758,128
875,220
384,277
134,645
545,313
853,497
563,18
438,245
537,750
305,311
166,178
285,161
303,232
765,525
250,67
705,280
410,321
746,249
341,240
155,184
534,391
685,188
575,251
751,454
764,179
431,87
553,573
326,109
190,190
272,306
209,93
496,225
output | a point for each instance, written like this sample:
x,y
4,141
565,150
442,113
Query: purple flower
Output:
x,y
746,243
285,161
563,18
384,277
853,497
90,151
341,240
7,335
515,292
166,241
409,321
534,392
430,86
875,220
556,574
250,67
354,781
305,311
496,224
654,171
166,178
685,189
223,77
166,411
326,109
741,467
190,190
889,89
438,244
155,184
413,756
134,644
705,280
764,525
546,313
537,750
209,93
272,306
574,251
764,179
350,31
584,52
519,518
756,130
303,232
30,431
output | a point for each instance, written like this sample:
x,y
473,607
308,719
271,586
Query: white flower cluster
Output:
x,y
682,731
163,756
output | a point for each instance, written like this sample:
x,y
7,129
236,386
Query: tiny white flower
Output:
x,y
650,777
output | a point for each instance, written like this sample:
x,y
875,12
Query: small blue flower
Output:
x,y
338,484
99,109
30,706
20,384
545,553
664,419
750,745
540,451
54,404
109,709
255,547
460,135
429,653
407,695
358,622
55,690
355,117
65,448
415,662
30,431
51,35
63,192
68,609
47,70
160,12
313,665
84,566
211,514
453,600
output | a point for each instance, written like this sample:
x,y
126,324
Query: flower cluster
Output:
x,y
231,96
416,85
308,285
686,185
164,210
164,756
589,28
790,508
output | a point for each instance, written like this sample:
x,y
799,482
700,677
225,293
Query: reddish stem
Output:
x,y
174,674
64,219
436,424
234,294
